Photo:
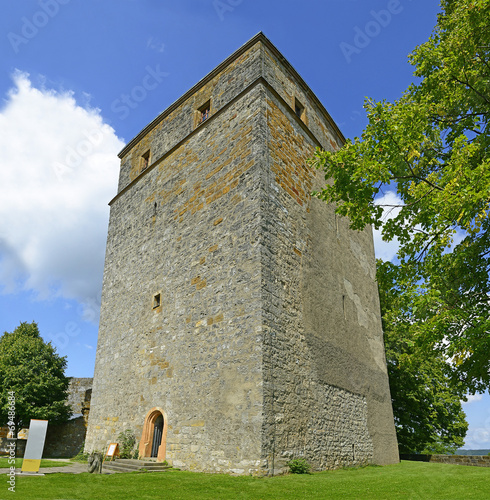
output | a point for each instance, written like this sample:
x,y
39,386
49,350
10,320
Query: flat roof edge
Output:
x,y
250,43
192,90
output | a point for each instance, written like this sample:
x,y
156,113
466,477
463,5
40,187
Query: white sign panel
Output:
x,y
35,445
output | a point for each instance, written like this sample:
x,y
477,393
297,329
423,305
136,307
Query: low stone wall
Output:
x,y
475,460
20,444
65,440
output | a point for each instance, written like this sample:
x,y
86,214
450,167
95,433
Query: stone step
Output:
x,y
121,466
156,468
139,463
117,468
133,461
130,465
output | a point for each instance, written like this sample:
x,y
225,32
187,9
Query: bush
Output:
x,y
299,466
81,456
127,440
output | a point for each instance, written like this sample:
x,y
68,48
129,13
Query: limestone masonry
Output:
x,y
240,322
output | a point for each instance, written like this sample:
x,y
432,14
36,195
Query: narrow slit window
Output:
x,y
299,109
204,112
145,160
157,300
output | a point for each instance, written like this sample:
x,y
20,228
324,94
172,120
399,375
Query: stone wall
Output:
x,y
174,125
79,395
265,342
65,440
321,296
194,226
20,443
305,414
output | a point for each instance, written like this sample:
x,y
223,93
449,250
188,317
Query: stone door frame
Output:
x,y
147,435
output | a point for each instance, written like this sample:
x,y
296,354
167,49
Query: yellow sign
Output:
x,y
30,465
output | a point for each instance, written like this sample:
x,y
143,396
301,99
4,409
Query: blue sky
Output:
x,y
79,79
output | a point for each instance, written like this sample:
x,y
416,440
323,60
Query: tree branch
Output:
x,y
468,85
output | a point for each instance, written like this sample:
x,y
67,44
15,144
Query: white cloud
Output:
x,y
387,250
472,399
58,170
477,438
383,249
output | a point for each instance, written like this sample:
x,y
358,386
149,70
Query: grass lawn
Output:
x,y
416,480
4,463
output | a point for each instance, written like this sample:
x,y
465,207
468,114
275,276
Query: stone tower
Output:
x,y
240,321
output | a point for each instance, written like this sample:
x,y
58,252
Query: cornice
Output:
x,y
259,37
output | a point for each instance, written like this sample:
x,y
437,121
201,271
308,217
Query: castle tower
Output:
x,y
240,321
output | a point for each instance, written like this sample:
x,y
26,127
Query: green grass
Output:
x,y
4,463
407,480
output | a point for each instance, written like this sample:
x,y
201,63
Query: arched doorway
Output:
x,y
157,436
154,436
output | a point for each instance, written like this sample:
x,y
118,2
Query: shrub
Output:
x,y
81,456
127,440
299,466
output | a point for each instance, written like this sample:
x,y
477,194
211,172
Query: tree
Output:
x,y
432,146
427,408
33,371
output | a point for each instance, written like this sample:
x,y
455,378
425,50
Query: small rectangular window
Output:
x,y
156,300
299,109
145,160
204,112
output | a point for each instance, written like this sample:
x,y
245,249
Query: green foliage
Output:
x,y
428,414
81,456
299,466
32,370
432,146
127,441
